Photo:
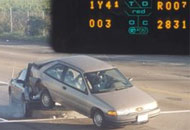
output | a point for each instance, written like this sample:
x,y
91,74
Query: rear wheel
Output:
x,y
11,99
26,107
46,100
98,119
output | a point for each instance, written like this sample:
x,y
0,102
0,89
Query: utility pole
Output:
x,y
28,15
11,19
43,17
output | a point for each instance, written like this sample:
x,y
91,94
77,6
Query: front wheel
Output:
x,y
98,119
46,100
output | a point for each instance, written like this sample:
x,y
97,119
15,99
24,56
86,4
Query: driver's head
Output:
x,y
59,69
70,75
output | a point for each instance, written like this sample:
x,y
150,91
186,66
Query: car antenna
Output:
x,y
13,72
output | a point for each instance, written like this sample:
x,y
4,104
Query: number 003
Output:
x,y
100,23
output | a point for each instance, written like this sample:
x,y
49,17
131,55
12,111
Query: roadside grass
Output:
x,y
21,37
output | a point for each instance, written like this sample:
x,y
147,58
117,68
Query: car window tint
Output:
x,y
22,75
106,80
56,72
116,74
75,80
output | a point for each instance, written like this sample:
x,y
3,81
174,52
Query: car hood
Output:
x,y
130,98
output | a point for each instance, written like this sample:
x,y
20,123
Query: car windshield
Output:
x,y
106,80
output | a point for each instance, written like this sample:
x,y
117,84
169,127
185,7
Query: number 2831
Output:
x,y
169,24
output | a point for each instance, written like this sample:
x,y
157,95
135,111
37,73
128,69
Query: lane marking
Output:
x,y
1,119
175,112
32,120
1,82
38,120
183,95
55,119
58,104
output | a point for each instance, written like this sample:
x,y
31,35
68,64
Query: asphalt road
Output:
x,y
166,78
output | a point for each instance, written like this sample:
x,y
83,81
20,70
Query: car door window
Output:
x,y
22,75
57,71
74,79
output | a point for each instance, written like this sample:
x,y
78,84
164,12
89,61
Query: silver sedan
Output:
x,y
91,87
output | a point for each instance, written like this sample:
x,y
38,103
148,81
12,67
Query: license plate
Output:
x,y
142,118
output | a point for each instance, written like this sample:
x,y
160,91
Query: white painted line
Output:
x,y
55,119
58,104
1,119
32,120
13,72
37,120
1,82
175,112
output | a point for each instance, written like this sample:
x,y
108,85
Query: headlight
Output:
x,y
152,105
123,112
112,113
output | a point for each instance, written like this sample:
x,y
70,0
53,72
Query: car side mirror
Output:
x,y
130,79
20,81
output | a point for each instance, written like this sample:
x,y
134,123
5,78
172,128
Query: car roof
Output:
x,y
86,63
82,62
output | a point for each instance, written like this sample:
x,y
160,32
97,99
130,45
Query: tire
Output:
x,y
46,100
11,99
27,112
98,119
